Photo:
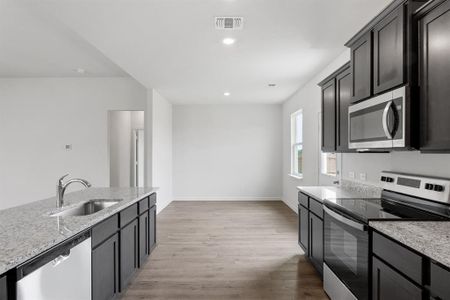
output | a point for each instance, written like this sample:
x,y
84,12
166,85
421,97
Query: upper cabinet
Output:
x,y
336,98
383,53
434,30
389,51
361,61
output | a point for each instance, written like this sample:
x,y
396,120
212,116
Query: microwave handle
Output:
x,y
385,120
342,219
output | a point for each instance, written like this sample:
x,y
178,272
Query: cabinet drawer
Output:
x,y
143,205
3,289
404,260
316,207
152,199
104,230
439,282
128,214
303,199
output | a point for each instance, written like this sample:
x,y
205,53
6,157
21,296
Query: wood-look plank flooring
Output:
x,y
226,250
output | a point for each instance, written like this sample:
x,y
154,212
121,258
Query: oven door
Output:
x,y
378,123
346,253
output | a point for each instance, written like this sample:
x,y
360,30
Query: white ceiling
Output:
x,y
33,45
172,45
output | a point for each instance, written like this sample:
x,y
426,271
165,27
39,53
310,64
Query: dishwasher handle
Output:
x,y
56,255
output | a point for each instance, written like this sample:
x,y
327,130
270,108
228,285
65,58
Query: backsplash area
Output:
x,y
414,162
368,190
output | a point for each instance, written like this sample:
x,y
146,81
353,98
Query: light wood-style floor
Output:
x,y
226,250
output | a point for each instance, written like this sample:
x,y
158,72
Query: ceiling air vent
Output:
x,y
229,23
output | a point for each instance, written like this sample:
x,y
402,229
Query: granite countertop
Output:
x,y
335,192
430,238
28,230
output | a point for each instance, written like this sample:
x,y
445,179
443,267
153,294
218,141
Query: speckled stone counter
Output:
x,y
429,238
28,230
347,190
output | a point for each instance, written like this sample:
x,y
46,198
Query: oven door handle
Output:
x,y
349,222
387,132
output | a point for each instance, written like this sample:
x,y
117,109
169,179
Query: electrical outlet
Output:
x,y
363,176
68,147
351,175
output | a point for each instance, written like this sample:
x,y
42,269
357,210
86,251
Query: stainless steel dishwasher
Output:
x,y
60,273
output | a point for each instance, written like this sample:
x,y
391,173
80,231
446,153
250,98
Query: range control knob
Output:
x,y
429,186
438,188
383,178
389,179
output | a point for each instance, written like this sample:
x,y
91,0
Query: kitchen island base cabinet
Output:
x,y
303,228
144,240
128,253
3,288
152,230
105,269
387,284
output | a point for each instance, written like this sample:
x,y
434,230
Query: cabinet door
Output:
x,y
329,116
316,242
128,253
3,288
439,282
152,226
303,228
361,62
144,238
387,284
105,269
388,51
434,75
343,99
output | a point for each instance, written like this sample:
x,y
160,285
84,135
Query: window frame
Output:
x,y
294,144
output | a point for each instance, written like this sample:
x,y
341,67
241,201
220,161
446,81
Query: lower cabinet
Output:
x,y
144,240
387,284
310,230
3,288
152,226
105,269
128,253
303,228
316,241
439,282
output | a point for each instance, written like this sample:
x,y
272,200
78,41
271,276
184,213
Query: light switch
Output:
x,y
363,176
351,175
68,147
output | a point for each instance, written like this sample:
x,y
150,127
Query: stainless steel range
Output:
x,y
346,235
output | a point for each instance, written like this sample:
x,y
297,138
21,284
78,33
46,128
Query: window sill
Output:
x,y
296,176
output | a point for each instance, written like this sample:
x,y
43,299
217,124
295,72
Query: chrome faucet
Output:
x,y
61,188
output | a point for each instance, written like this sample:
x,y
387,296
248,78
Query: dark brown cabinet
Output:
x,y
128,253
387,284
144,241
336,98
343,100
303,228
152,226
389,51
328,116
361,62
316,241
3,288
105,269
310,229
434,28
439,282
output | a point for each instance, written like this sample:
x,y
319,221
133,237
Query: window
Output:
x,y
329,164
297,144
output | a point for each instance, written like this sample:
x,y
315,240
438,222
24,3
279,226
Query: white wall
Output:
x,y
159,145
38,116
307,98
227,152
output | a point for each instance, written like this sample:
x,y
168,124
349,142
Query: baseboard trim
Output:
x,y
227,199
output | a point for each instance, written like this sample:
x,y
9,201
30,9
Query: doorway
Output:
x,y
126,148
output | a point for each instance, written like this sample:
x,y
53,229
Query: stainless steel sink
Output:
x,y
87,208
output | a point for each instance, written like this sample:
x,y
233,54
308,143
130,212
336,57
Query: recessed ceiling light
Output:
x,y
227,94
80,70
228,41
272,84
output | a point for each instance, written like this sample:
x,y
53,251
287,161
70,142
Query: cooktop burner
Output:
x,y
369,209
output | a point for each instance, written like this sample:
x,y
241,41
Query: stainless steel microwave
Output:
x,y
379,122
